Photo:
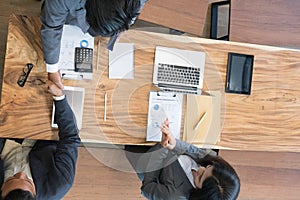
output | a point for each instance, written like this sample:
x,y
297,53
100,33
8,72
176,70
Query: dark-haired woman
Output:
x,y
175,169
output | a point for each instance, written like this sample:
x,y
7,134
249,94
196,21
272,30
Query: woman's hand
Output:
x,y
168,140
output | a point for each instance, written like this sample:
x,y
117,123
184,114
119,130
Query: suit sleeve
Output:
x,y
53,17
53,163
67,148
191,150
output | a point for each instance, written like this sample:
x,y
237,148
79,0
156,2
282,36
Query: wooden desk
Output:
x,y
267,120
274,22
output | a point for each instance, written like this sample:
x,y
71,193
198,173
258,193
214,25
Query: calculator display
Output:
x,y
83,59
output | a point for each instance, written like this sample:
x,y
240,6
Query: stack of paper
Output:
x,y
202,122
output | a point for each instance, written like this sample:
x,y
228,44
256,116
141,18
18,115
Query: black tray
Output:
x,y
239,73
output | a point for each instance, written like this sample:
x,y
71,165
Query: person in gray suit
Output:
x,y
173,169
104,18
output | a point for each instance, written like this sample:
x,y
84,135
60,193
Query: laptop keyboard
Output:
x,y
180,91
178,74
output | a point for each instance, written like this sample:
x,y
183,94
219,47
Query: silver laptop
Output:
x,y
178,71
75,97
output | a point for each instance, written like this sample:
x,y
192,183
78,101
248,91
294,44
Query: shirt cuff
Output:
x,y
52,68
59,98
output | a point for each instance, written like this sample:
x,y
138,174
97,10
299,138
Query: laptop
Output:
x,y
178,71
75,97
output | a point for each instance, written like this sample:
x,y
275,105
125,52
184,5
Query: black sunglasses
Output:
x,y
24,74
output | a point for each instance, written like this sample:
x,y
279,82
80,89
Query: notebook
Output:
x,y
179,71
75,97
203,119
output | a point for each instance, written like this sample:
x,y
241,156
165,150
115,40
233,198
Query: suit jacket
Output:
x,y
56,13
164,178
53,163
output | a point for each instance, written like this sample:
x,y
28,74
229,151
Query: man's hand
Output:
x,y
54,89
56,79
168,140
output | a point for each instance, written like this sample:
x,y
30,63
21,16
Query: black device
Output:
x,y
239,73
83,59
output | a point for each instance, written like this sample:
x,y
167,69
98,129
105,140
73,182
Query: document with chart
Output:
x,y
72,37
163,105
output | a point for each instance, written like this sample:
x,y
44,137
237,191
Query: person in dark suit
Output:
x,y
42,170
173,169
106,18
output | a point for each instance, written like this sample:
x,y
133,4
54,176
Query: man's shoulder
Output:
x,y
65,4
75,4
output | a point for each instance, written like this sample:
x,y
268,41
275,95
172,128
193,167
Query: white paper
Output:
x,y
163,105
121,61
72,36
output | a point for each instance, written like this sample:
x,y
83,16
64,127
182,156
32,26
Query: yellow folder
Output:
x,y
209,108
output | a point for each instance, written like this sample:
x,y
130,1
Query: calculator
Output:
x,y
83,59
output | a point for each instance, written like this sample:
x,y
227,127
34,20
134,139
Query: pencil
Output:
x,y
105,100
200,120
98,50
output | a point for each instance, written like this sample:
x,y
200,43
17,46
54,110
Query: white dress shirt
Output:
x,y
187,164
16,157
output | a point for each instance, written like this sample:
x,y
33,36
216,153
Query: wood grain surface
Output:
x,y
266,175
267,119
186,16
95,179
25,111
274,22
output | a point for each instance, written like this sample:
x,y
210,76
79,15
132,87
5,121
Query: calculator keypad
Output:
x,y
83,59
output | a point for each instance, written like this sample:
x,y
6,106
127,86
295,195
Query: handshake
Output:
x,y
55,78
54,89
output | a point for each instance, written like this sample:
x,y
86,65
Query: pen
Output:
x,y
200,120
105,99
98,46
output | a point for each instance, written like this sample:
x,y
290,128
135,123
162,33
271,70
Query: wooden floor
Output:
x,y
95,180
264,175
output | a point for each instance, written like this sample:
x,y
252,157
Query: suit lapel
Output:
x,y
181,181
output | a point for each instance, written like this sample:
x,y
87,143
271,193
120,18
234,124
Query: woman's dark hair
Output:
x,y
19,194
107,17
224,184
